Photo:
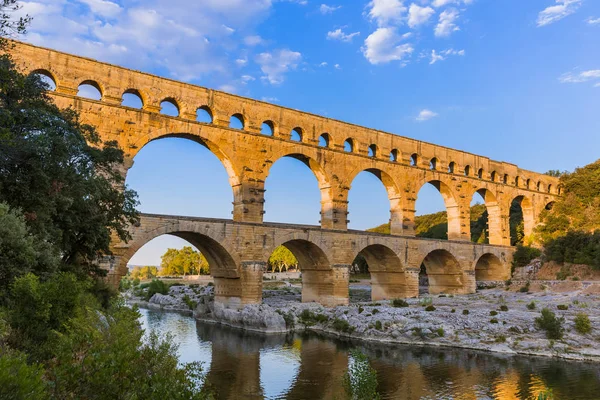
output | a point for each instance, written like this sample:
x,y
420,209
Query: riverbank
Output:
x,y
495,320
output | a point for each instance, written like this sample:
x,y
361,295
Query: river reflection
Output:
x,y
243,365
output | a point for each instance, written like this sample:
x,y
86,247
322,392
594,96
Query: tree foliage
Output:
x,y
282,258
147,272
185,261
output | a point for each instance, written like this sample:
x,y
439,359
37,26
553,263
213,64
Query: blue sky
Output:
x,y
513,80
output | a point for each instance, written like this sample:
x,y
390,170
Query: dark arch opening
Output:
x,y
47,78
267,128
414,158
520,220
325,140
373,201
303,194
480,173
505,179
385,270
296,134
437,212
349,145
549,189
164,166
451,167
132,98
394,155
467,170
490,268
433,164
90,90
204,115
169,107
372,151
517,181
440,273
486,219
317,282
237,121
539,186
549,206
528,184
493,176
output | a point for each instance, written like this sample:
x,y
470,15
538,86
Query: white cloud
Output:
x,y
580,77
442,3
270,99
253,40
247,78
386,12
274,65
557,12
325,9
435,57
447,23
338,34
323,64
425,115
593,21
383,46
337,66
241,61
104,8
419,15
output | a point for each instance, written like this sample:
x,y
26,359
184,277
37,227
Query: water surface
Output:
x,y
243,365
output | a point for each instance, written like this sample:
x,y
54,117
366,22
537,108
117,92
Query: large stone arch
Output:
x,y
444,272
389,279
526,204
321,175
393,192
494,211
451,202
489,267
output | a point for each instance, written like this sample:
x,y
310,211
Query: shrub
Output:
x,y
531,306
503,308
582,323
360,309
430,308
564,273
493,313
562,307
453,310
524,289
322,318
524,255
550,323
399,303
465,312
20,380
190,303
156,286
375,311
500,339
360,380
378,325
494,320
440,332
342,325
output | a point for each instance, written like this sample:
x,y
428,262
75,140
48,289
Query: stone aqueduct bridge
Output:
x,y
336,152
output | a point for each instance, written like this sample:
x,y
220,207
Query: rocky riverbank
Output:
x,y
496,319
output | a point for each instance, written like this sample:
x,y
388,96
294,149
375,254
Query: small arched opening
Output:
x,y
325,140
528,184
539,186
394,155
467,170
169,107
489,268
237,121
372,151
267,128
549,190
349,145
204,115
493,176
296,135
441,273
433,164
505,179
133,99
480,173
46,78
90,90
451,167
517,181
414,159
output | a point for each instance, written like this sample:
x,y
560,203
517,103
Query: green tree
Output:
x,y
185,261
147,272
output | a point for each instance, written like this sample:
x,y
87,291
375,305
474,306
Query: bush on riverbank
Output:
x,y
552,324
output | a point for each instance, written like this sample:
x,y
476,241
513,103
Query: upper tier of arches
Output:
x,y
68,72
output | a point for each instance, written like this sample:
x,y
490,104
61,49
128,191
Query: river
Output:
x,y
242,365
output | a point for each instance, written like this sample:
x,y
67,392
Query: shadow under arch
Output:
x,y
323,179
494,215
388,276
393,193
444,273
451,204
232,172
321,282
490,268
